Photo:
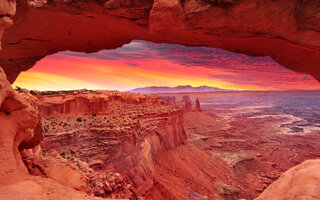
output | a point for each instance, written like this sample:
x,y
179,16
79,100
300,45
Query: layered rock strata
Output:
x,y
123,136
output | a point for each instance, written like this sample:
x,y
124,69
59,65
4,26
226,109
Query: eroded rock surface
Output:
x,y
300,182
288,30
84,102
123,134
53,166
18,120
20,130
244,129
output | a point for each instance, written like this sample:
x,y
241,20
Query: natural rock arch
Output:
x,y
246,26
288,31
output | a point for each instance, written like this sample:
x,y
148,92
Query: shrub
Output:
x,y
63,155
79,119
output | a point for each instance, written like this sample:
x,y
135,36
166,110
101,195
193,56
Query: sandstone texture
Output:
x,y
20,130
73,173
40,188
87,102
300,182
53,166
112,131
140,143
18,120
248,134
287,30
144,140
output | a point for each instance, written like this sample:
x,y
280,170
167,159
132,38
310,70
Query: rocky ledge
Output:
x,y
112,131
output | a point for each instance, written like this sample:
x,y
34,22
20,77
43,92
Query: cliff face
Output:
x,y
123,137
18,122
87,102
288,30
19,130
169,100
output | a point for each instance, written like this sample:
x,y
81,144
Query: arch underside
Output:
x,y
288,31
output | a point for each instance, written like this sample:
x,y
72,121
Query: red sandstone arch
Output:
x,y
286,30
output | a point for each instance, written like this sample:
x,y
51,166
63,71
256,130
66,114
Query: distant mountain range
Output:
x,y
178,89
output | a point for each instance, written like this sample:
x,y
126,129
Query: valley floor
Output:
x,y
258,134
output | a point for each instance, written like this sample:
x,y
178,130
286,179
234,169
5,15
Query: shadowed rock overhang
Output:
x,y
286,30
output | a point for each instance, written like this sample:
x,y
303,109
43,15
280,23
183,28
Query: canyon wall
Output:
x,y
19,130
87,102
18,122
112,131
287,30
18,119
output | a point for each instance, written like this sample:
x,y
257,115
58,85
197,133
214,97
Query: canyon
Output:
x,y
259,135
135,135
162,161
125,136
186,149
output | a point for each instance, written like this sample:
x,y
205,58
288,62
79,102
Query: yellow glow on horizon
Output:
x,y
65,72
45,81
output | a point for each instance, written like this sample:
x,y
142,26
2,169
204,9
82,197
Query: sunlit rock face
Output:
x,y
18,119
19,130
112,130
288,30
18,122
83,102
299,182
7,11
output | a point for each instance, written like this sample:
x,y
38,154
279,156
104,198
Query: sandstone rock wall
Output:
x,y
124,137
19,130
300,182
87,102
18,120
288,30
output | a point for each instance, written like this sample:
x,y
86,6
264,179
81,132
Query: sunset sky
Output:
x,y
142,64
